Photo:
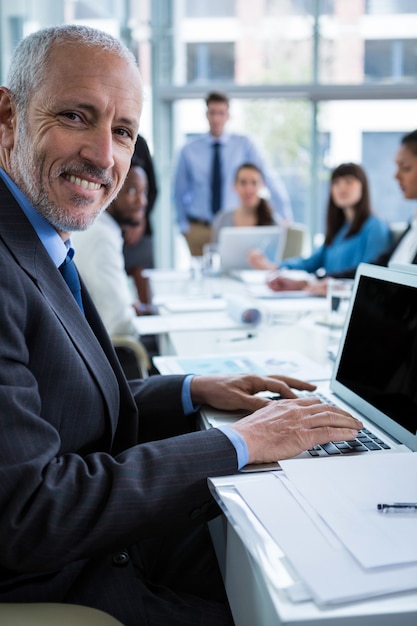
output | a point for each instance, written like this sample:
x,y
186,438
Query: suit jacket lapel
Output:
x,y
30,254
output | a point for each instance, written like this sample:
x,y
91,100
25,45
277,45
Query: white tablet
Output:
x,y
236,242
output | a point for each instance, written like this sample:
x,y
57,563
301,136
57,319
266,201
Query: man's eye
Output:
x,y
70,115
123,132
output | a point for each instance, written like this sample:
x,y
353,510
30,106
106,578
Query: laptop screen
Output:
x,y
377,361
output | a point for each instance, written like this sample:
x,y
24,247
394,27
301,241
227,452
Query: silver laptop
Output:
x,y
236,242
375,371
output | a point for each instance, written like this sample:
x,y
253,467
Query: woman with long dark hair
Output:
x,y
353,233
253,209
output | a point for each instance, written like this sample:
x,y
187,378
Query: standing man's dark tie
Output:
x,y
216,179
70,274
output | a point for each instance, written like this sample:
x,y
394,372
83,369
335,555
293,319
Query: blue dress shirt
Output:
x,y
237,441
192,192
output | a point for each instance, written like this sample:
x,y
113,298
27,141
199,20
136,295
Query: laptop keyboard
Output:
x,y
366,441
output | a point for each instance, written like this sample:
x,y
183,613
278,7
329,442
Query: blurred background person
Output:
x,y
253,209
403,248
205,172
100,258
353,233
138,249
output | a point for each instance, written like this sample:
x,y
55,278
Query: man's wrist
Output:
x,y
238,443
187,401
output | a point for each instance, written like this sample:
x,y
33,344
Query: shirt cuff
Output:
x,y
187,403
238,443
235,439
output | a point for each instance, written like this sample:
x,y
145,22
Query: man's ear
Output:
x,y
7,119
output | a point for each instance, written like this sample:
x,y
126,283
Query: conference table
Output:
x,y
195,318
262,588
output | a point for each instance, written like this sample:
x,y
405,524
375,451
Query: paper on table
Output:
x,y
317,556
263,291
294,305
290,363
208,320
288,310
259,290
188,305
250,277
259,277
347,496
166,274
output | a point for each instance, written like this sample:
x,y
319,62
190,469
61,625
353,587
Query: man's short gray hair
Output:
x,y
32,56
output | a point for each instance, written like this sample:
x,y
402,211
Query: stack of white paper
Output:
x,y
323,514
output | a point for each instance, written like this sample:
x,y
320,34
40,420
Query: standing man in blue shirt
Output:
x,y
199,192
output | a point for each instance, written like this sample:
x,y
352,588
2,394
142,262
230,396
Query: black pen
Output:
x,y
247,336
398,507
239,338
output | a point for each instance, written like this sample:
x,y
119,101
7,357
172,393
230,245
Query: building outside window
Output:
x,y
314,82
210,62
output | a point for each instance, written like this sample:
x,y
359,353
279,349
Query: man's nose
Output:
x,y
98,149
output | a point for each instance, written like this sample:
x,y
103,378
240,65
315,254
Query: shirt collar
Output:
x,y
224,137
49,237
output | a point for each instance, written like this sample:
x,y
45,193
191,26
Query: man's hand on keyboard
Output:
x,y
232,393
282,430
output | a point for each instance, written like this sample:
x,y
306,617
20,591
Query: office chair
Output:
x,y
297,242
397,229
133,356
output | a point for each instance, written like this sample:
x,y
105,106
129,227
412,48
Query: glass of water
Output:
x,y
339,292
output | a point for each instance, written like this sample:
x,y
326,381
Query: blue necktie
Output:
x,y
216,180
70,274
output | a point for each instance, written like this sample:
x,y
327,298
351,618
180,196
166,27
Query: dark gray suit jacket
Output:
x,y
75,488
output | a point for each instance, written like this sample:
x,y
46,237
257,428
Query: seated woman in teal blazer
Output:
x,y
353,233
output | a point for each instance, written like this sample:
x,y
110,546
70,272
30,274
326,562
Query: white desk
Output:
x,y
254,571
289,325
305,337
256,577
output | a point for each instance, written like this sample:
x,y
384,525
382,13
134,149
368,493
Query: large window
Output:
x,y
391,59
314,82
390,7
91,10
210,62
213,8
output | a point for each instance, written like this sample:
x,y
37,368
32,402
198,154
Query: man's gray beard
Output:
x,y
26,172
